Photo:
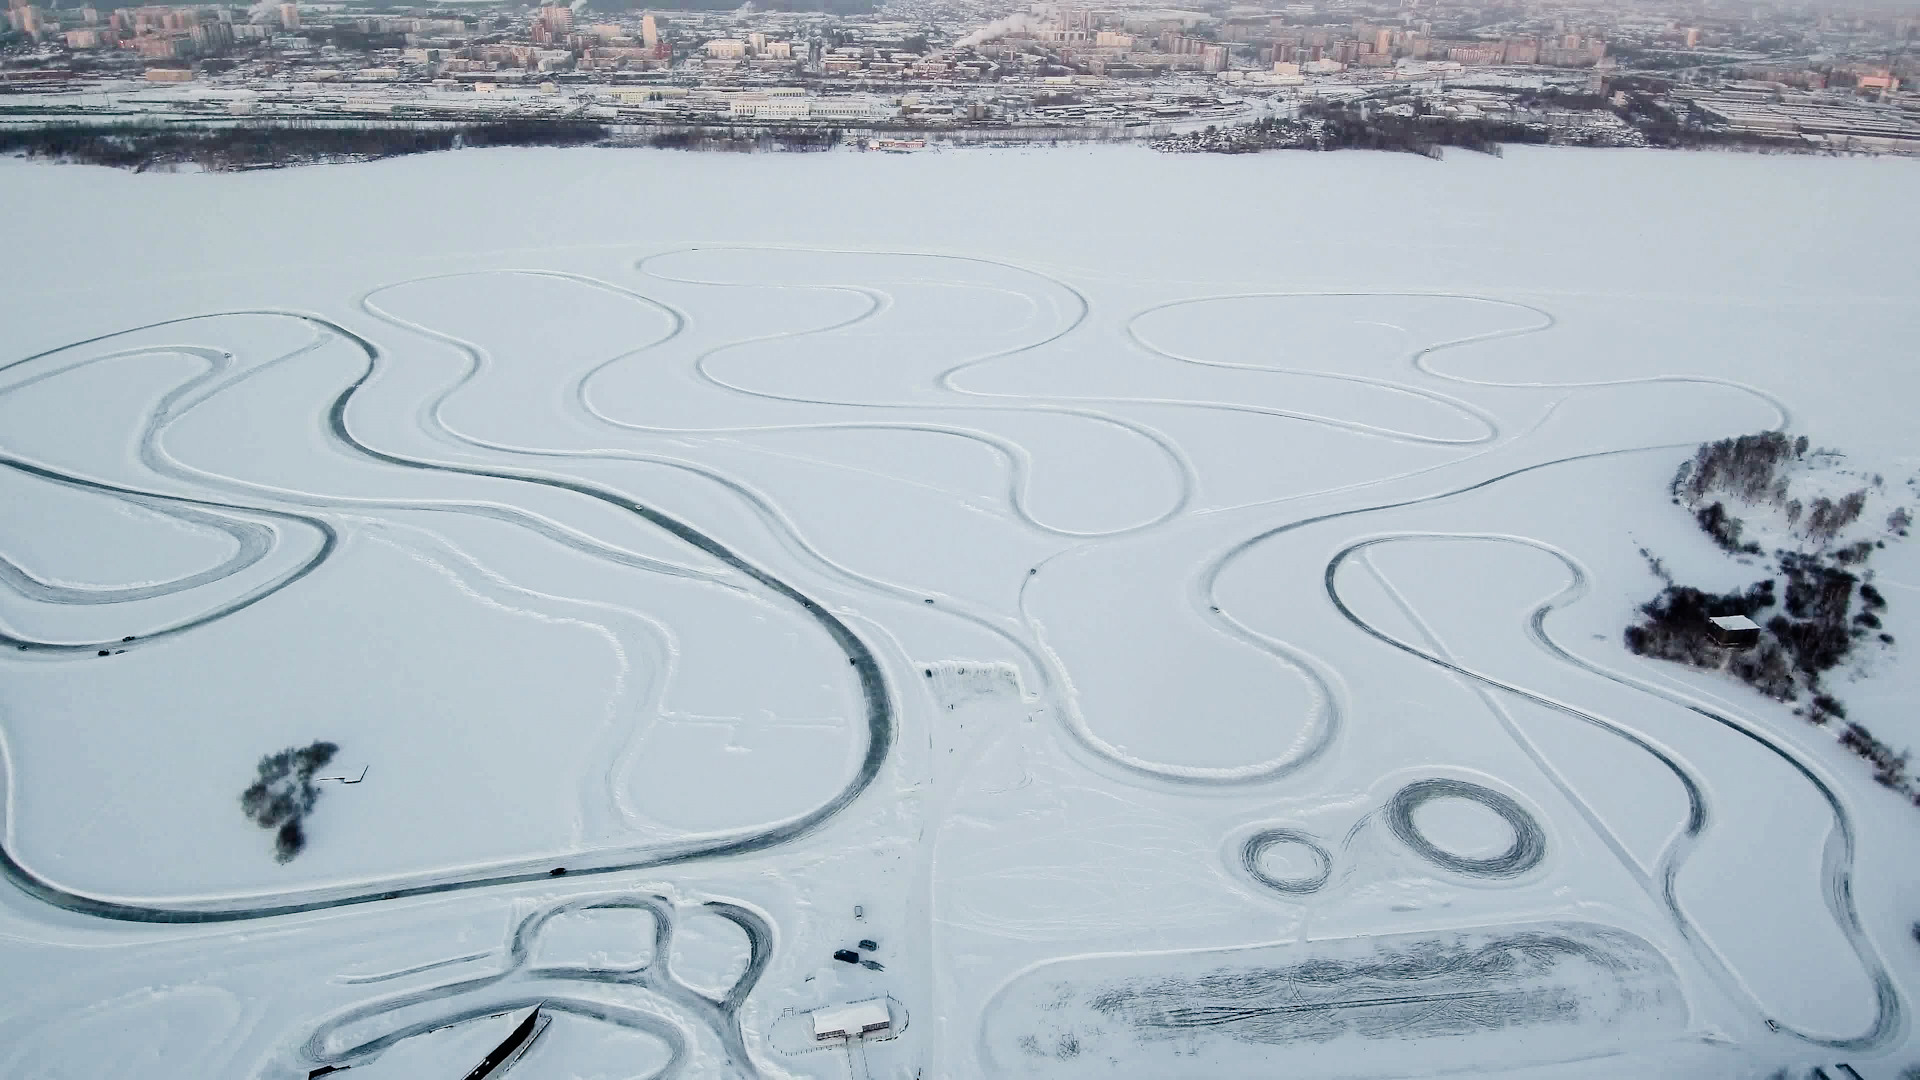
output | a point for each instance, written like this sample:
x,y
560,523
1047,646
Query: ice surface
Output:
x,y
1161,613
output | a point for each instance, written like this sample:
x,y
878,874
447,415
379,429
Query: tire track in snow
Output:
x,y
880,712
1019,460
252,541
787,532
1326,718
1837,866
720,1016
1051,668
1050,675
1422,358
431,965
329,541
1485,419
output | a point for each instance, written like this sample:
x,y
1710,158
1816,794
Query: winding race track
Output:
x,y
518,985
879,708
930,462
1837,867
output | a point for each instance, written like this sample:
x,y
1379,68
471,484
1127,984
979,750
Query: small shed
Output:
x,y
1734,631
852,1020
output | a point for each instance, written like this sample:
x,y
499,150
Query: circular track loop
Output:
x,y
1266,839
1529,842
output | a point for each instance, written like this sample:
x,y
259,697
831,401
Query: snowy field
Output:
x,y
1163,613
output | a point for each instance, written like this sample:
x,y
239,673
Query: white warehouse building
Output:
x,y
852,107
794,107
756,107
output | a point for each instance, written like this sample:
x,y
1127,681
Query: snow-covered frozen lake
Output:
x,y
1163,613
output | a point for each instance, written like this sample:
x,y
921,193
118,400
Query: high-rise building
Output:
x,y
649,31
290,16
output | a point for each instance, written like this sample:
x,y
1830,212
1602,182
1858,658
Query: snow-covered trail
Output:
x,y
879,708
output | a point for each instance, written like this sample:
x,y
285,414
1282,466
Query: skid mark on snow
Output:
x,y
1529,844
1270,1010
417,969
1257,852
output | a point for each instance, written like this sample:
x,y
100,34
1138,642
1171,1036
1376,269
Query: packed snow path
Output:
x,y
872,684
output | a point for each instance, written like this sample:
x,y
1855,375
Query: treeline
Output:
x,y
1688,131
1348,127
1345,126
255,146
747,141
1553,98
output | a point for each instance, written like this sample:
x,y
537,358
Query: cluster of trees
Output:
x,y
1556,98
1797,647
1355,126
1750,470
283,794
1825,517
1264,134
1744,468
1725,529
1889,768
1339,125
249,146
739,141
1665,130
1674,627
1816,629
1820,624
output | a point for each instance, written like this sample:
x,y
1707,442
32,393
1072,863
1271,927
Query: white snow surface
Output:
x,y
1163,613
